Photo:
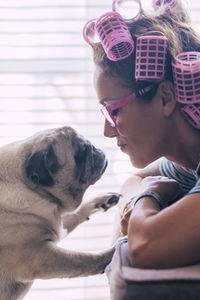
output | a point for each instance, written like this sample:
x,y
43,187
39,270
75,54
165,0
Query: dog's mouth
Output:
x,y
91,164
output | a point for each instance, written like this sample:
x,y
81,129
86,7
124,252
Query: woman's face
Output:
x,y
139,125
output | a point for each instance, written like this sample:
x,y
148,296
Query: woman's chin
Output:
x,y
137,163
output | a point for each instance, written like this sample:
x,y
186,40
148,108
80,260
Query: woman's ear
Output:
x,y
166,95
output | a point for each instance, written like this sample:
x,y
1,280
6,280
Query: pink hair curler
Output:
x,y
170,3
114,36
89,32
150,57
186,72
120,7
192,114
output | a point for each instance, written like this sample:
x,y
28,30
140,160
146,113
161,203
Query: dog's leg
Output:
x,y
51,261
87,208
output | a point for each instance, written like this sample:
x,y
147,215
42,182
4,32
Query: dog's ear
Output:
x,y
41,166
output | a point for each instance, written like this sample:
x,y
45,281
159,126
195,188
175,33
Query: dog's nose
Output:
x,y
99,151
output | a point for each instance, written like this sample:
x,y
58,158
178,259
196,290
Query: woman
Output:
x,y
163,223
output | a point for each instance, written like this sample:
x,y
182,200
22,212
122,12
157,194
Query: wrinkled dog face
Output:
x,y
61,164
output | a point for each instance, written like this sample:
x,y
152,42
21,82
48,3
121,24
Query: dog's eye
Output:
x,y
51,160
81,156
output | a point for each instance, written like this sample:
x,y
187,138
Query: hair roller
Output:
x,y
186,72
192,114
114,36
151,57
117,6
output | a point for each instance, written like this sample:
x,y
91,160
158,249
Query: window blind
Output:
x,y
46,81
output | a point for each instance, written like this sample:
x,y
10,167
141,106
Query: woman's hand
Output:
x,y
125,217
168,190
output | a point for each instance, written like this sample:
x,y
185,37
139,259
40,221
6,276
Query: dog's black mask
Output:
x,y
41,166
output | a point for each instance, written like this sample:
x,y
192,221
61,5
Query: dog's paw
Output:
x,y
102,202
106,201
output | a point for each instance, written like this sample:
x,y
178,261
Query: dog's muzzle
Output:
x,y
91,163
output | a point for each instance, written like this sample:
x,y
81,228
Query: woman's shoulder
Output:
x,y
186,177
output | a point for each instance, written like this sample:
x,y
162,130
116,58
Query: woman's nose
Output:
x,y
109,131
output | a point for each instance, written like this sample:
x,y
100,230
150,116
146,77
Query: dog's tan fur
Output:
x,y
42,182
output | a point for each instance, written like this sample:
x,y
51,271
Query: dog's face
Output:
x,y
57,164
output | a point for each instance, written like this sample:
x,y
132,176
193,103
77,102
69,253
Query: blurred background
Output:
x,y
46,80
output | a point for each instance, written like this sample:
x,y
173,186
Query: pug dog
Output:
x,y
42,182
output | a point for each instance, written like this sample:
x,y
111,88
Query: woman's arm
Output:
x,y
132,187
167,238
151,170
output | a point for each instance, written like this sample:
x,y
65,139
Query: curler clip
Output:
x,y
130,10
151,57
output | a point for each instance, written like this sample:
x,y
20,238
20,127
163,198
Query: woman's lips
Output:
x,y
121,146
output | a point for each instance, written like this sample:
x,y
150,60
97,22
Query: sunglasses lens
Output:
x,y
107,115
89,32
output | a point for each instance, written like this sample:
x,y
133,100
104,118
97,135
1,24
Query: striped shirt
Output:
x,y
188,179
